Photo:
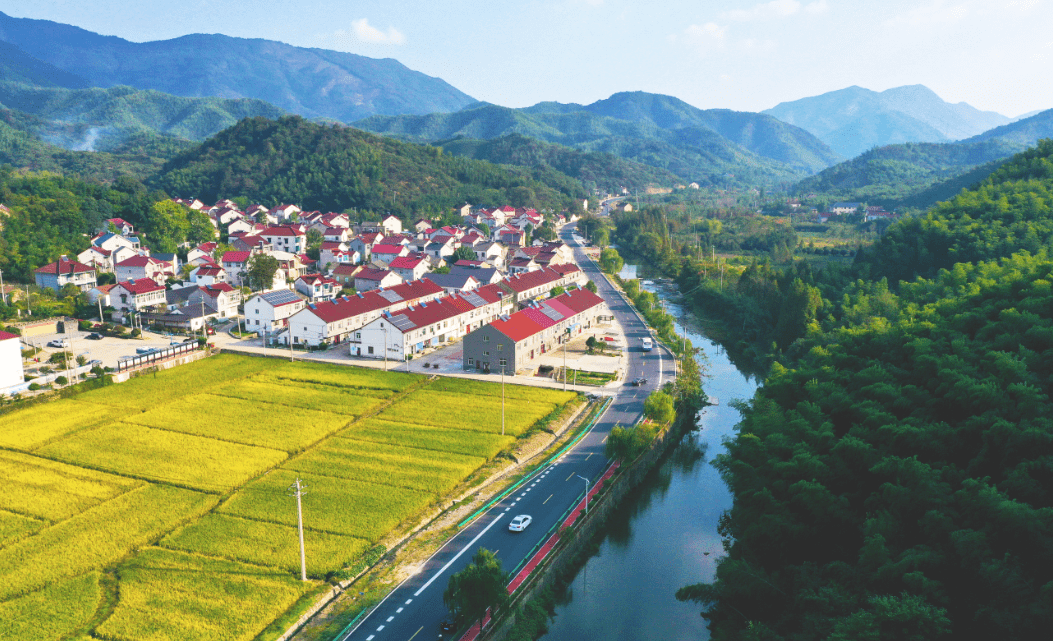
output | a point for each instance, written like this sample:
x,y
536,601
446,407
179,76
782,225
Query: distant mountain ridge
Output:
x,y
855,119
103,119
920,174
656,130
310,82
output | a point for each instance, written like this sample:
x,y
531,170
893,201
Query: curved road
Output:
x,y
415,609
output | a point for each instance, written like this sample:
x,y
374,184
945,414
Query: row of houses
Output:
x,y
510,342
287,316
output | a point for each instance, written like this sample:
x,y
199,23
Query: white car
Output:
x,y
59,343
520,523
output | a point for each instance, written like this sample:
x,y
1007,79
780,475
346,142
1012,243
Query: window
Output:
x,y
485,353
500,346
358,335
257,310
486,339
471,361
370,349
504,362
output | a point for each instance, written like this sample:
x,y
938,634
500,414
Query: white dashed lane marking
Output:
x,y
398,611
391,618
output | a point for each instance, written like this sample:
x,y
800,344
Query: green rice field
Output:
x,y
159,508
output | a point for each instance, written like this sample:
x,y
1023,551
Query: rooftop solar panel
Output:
x,y
280,296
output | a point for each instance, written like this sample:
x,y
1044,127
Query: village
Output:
x,y
500,286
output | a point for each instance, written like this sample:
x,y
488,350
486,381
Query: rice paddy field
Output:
x,y
159,508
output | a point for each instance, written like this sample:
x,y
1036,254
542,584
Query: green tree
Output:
x,y
260,271
167,225
476,588
601,237
659,408
610,261
314,243
462,253
591,286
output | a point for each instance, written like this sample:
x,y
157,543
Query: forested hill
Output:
x,y
717,147
921,174
603,171
1008,212
310,82
336,168
105,119
893,478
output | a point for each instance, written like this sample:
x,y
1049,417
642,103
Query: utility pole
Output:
x,y
503,400
3,296
586,492
384,327
565,341
203,334
298,489
290,340
99,301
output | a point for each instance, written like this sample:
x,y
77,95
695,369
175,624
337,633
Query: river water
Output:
x,y
665,535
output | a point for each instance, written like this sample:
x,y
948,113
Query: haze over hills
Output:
x,y
310,82
920,174
661,131
855,119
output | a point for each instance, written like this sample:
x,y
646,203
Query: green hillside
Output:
x,y
602,171
18,66
310,82
893,477
338,168
713,147
104,119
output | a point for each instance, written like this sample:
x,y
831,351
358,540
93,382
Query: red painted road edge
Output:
x,y
539,556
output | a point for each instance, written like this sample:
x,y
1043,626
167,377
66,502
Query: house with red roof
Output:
x,y
64,272
537,285
386,253
399,334
509,343
96,257
270,311
345,274
316,287
364,243
410,267
286,238
372,278
208,274
336,320
137,294
143,268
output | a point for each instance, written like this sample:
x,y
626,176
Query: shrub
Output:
x,y
136,333
34,387
62,380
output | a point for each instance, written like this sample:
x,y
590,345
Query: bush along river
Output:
x,y
664,536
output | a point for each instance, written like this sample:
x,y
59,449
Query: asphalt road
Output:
x,y
415,609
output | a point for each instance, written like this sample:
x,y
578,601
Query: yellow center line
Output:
x,y
589,456
569,477
604,440
546,501
416,633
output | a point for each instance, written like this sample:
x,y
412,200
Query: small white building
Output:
x,y
143,268
137,294
271,310
64,272
410,267
11,372
317,287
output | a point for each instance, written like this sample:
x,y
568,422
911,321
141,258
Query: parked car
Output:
x,y
145,350
59,343
94,336
520,523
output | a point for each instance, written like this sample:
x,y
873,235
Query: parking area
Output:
x,y
107,349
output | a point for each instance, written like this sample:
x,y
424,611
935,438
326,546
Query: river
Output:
x,y
665,535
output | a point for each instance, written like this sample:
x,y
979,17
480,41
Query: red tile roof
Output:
x,y
6,336
66,266
579,300
140,286
387,249
405,262
518,327
370,273
236,257
139,261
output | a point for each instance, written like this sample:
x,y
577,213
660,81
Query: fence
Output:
x,y
142,360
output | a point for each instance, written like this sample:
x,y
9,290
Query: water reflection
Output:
x,y
665,534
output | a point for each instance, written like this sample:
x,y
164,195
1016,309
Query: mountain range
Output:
x,y
714,146
311,82
855,119
920,174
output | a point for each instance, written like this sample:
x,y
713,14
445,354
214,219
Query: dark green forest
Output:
x,y
338,168
893,478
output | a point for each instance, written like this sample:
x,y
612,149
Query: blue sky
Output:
x,y
749,56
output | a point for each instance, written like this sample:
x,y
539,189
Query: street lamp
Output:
x,y
503,400
586,491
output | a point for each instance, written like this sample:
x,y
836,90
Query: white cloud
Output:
x,y
931,14
368,33
817,7
773,9
703,38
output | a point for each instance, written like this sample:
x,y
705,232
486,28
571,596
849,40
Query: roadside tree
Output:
x,y
476,588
